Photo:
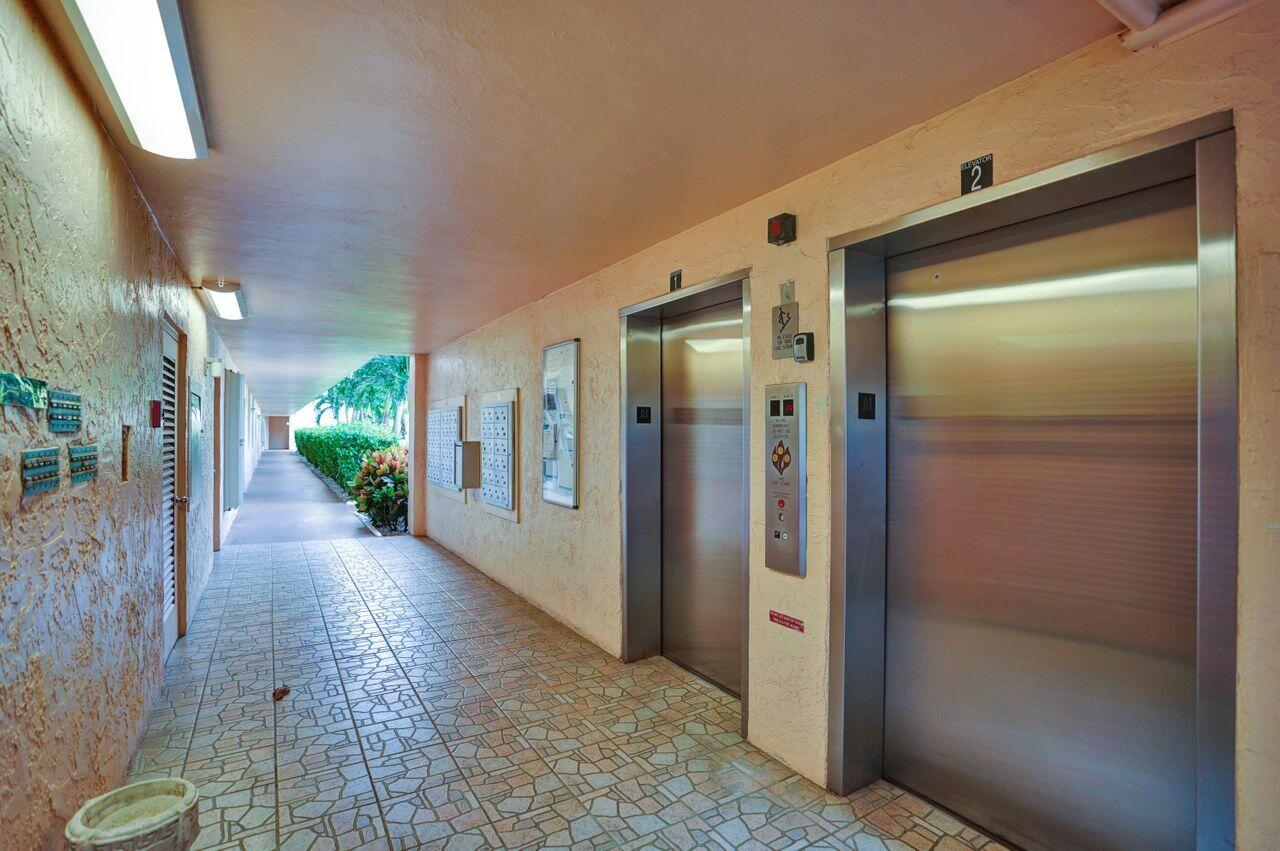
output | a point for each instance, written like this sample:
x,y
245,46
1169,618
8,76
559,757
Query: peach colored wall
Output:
x,y
85,276
567,562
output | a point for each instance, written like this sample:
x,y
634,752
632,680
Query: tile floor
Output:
x,y
431,708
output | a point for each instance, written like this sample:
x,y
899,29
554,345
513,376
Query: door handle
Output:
x,y
184,501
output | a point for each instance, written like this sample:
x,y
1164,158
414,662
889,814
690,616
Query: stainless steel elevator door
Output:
x,y
703,512
1041,621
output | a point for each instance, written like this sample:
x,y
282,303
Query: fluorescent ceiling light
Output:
x,y
224,299
140,53
226,305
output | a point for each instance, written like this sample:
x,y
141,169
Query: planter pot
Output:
x,y
155,815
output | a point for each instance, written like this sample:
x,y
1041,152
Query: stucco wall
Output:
x,y
85,277
568,562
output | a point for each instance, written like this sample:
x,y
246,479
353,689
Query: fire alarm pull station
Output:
x,y
785,478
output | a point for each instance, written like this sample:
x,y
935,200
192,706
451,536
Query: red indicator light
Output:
x,y
782,503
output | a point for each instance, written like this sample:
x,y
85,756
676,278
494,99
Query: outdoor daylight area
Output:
x,y
353,438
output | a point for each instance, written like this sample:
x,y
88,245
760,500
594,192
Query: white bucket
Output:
x,y
156,815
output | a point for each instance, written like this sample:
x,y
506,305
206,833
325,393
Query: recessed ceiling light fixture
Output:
x,y
140,53
224,299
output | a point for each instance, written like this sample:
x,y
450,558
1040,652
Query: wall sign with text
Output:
x,y
977,174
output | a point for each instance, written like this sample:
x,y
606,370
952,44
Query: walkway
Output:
x,y
432,708
285,501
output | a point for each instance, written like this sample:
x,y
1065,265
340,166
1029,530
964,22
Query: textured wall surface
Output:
x,y
85,277
568,562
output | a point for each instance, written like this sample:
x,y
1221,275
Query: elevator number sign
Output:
x,y
977,174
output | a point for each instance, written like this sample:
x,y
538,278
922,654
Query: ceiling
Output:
x,y
386,176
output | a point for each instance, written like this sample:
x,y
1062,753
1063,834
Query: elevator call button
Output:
x,y
785,477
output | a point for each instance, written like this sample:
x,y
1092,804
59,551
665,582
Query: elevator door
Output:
x,y
703,512
1041,622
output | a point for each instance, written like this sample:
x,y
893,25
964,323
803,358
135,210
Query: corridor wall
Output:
x,y
85,279
569,562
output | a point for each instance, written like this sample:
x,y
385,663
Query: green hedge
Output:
x,y
339,450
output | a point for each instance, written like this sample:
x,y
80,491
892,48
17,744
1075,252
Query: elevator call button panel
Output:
x,y
785,476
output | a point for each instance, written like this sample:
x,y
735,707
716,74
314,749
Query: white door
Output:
x,y
169,484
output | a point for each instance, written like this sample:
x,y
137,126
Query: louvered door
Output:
x,y
169,483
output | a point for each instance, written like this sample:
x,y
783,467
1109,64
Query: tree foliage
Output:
x,y
376,393
339,451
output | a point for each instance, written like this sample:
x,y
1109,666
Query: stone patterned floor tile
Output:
x,y
627,717
432,668
433,814
412,771
293,723
595,767
386,706
635,808
158,753
222,742
681,701
248,687
406,637
531,706
563,825
349,830
459,629
258,764
690,835
184,693
759,821
370,674
348,648
661,747
312,692
749,760
321,752
243,715
397,735
261,840
561,734
293,671
229,811
496,750
510,683
705,782
526,783
441,697
319,794
168,719
470,718
719,727
492,664
431,708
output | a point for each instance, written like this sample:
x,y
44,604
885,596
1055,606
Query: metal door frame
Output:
x,y
1204,148
641,373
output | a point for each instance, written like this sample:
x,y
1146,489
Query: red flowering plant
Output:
x,y
381,488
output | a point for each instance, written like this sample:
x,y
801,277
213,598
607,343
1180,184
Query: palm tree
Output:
x,y
377,392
